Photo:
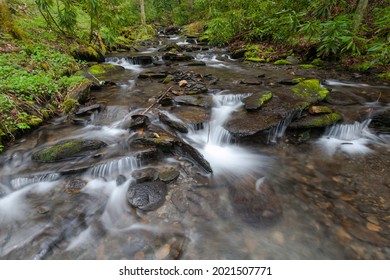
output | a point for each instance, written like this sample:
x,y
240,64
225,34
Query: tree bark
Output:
x,y
359,14
143,17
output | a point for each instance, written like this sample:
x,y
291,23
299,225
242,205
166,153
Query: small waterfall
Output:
x,y
348,138
110,169
20,182
215,142
279,130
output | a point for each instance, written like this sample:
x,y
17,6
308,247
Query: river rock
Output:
x,y
173,124
168,176
198,100
197,63
88,53
311,121
315,110
192,115
177,57
256,100
141,60
138,121
171,47
88,109
240,53
144,175
102,69
67,149
147,196
187,150
381,121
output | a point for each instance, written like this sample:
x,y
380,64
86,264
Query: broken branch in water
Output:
x,y
154,103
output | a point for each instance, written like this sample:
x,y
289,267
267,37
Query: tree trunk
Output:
x,y
359,14
143,17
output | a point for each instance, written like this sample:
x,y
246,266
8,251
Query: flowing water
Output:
x,y
327,198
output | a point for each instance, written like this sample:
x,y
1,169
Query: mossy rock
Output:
x,y
102,69
316,121
256,100
307,66
310,92
81,91
67,149
316,110
317,62
70,105
255,59
34,121
88,53
282,62
240,53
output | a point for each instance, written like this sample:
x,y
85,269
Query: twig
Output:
x,y
154,103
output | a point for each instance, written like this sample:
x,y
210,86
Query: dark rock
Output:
x,y
289,82
79,121
147,196
169,176
192,115
138,121
166,101
89,54
177,57
171,123
198,100
381,121
67,149
88,109
144,175
141,60
238,53
316,121
152,75
256,100
187,150
253,82
120,180
197,63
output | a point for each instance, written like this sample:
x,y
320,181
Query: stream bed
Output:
x,y
192,177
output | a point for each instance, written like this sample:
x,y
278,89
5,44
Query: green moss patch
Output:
x,y
282,62
66,150
316,121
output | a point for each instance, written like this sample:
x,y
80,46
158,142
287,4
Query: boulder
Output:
x,y
147,196
177,57
173,124
198,100
313,121
88,53
256,100
168,176
240,53
67,149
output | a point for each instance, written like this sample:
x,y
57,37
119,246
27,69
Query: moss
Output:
x,y
35,121
282,62
66,150
316,121
317,62
70,105
101,69
307,66
255,59
310,90
385,76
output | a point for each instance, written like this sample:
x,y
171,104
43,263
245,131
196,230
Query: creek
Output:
x,y
269,195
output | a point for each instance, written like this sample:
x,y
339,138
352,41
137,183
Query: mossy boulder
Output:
x,y
102,69
282,62
310,92
177,57
256,100
316,121
255,59
240,53
88,53
67,149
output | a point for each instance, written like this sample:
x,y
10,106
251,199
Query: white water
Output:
x,y
125,64
113,168
348,138
215,142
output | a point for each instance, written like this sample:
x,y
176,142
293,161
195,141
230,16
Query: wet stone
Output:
x,y
89,109
144,175
74,186
120,180
173,124
147,196
138,121
169,176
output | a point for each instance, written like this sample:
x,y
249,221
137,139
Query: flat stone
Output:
x,y
173,124
198,100
169,176
88,109
256,100
138,121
